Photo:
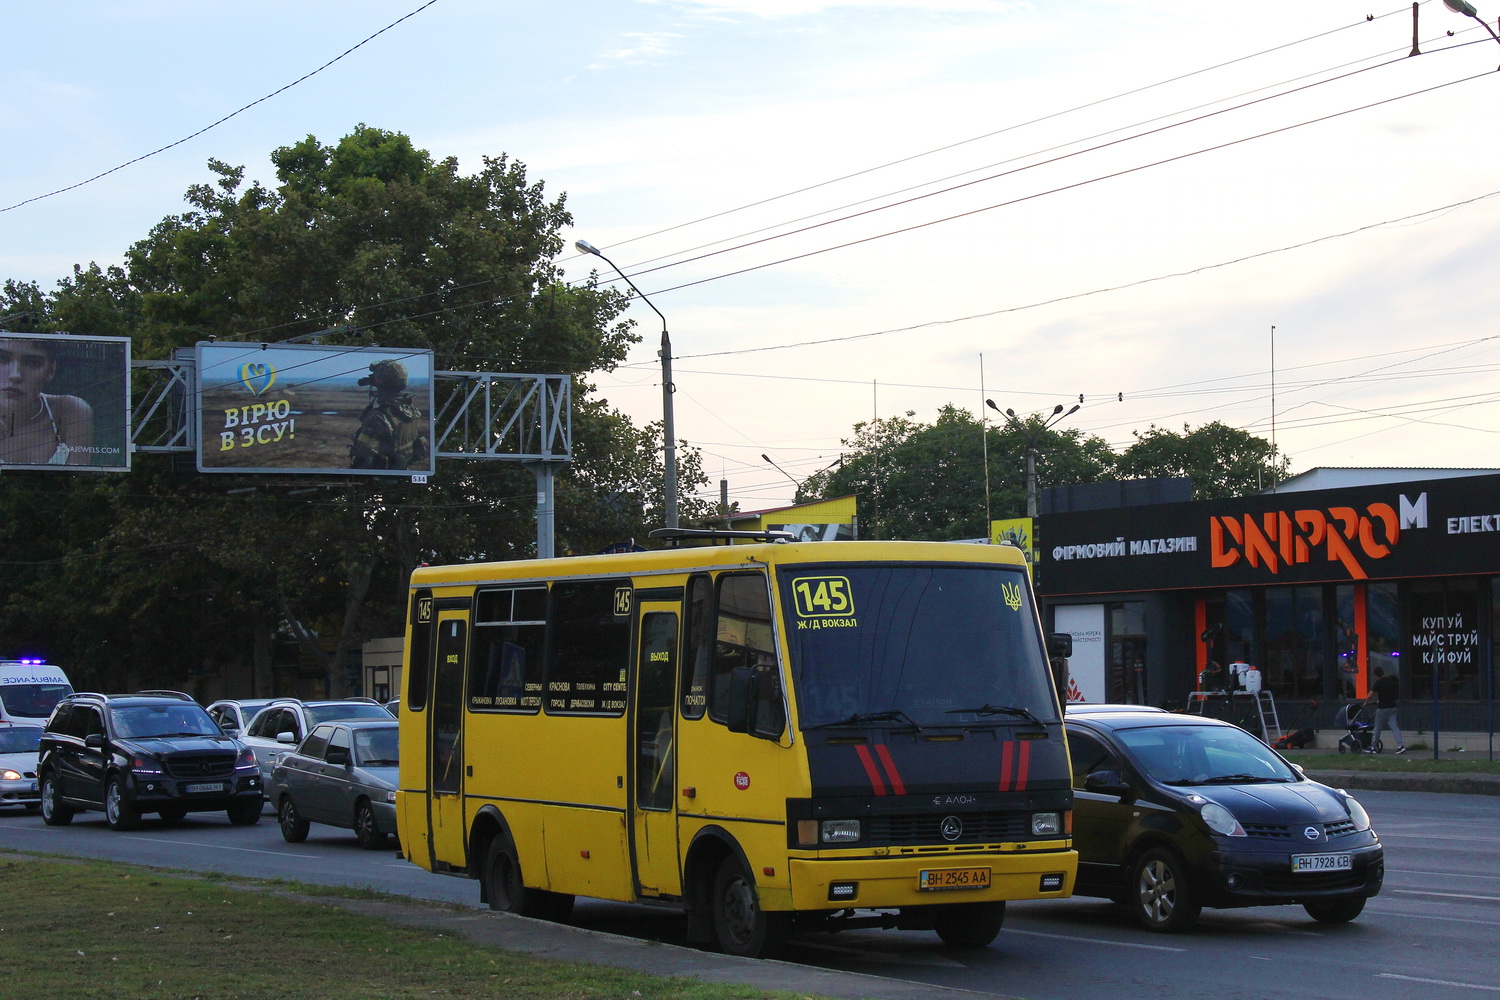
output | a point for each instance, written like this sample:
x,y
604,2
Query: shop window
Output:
x,y
1443,636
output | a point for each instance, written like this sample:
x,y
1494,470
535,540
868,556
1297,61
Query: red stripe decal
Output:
x,y
897,785
869,763
1007,749
1023,766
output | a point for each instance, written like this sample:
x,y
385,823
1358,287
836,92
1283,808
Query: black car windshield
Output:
x,y
336,713
376,747
925,645
147,721
1203,755
20,739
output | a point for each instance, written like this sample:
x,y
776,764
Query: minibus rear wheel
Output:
x,y
507,892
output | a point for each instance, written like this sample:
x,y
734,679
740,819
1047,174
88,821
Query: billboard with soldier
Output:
x,y
300,408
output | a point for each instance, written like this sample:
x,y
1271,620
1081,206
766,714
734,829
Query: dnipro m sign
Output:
x,y
1443,527
64,402
301,408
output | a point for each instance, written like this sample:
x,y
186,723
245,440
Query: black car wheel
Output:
x,y
969,925
370,837
1162,896
1335,911
54,811
246,813
119,807
741,926
506,891
293,827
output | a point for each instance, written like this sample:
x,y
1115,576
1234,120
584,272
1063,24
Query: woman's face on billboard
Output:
x,y
24,369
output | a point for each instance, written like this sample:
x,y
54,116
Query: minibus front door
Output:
x,y
653,766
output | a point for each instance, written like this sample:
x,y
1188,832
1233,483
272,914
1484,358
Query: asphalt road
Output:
x,y
1431,933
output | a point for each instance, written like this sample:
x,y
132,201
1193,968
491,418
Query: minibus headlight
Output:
x,y
1046,824
839,831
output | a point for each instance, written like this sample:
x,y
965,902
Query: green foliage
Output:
x,y
920,481
1222,461
927,481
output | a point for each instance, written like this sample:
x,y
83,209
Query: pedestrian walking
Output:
x,y
1384,693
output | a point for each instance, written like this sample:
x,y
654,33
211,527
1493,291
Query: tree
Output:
x,y
368,242
919,481
1222,461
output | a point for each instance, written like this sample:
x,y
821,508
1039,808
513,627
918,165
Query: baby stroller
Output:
x,y
1358,738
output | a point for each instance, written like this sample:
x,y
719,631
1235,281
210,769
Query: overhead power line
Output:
x,y
221,121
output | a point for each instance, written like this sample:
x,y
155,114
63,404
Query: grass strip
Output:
x,y
1415,761
94,929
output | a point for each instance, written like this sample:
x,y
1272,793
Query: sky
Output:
x,y
1268,214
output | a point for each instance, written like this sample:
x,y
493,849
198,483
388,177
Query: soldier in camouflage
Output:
x,y
391,432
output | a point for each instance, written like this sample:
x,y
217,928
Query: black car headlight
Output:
x,y
1357,813
1221,820
145,765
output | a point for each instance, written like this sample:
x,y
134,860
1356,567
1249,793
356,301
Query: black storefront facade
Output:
x,y
1315,588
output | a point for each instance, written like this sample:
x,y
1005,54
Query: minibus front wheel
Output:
x,y
742,927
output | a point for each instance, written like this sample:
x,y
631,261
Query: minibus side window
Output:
x,y
505,651
419,667
744,638
588,647
699,649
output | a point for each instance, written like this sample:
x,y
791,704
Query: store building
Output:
x,y
1336,573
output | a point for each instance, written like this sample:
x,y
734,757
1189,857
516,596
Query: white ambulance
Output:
x,y
28,691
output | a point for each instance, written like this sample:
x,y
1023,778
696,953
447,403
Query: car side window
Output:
x,y
88,722
1089,755
316,742
340,741
60,722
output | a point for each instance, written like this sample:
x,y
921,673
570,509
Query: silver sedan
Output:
x,y
342,774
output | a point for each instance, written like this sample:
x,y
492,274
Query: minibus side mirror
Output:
x,y
1059,644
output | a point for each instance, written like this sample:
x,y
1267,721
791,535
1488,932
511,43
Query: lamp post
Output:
x,y
668,426
1468,10
796,485
1032,427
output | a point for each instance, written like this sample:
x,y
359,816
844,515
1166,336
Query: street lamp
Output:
x,y
1032,427
668,426
1468,10
796,485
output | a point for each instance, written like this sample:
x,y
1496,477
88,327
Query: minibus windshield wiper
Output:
x,y
889,715
1016,710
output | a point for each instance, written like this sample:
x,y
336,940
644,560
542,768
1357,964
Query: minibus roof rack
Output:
x,y
675,537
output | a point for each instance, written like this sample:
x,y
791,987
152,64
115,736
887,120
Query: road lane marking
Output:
x,y
1447,895
224,847
1437,982
1086,940
1418,871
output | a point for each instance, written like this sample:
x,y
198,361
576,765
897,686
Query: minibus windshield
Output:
x,y
915,645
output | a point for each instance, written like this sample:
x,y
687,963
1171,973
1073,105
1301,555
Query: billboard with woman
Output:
x,y
64,401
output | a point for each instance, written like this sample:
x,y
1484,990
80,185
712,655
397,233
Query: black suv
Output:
x,y
156,751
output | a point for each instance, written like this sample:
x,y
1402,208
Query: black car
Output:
x,y
151,752
1173,813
